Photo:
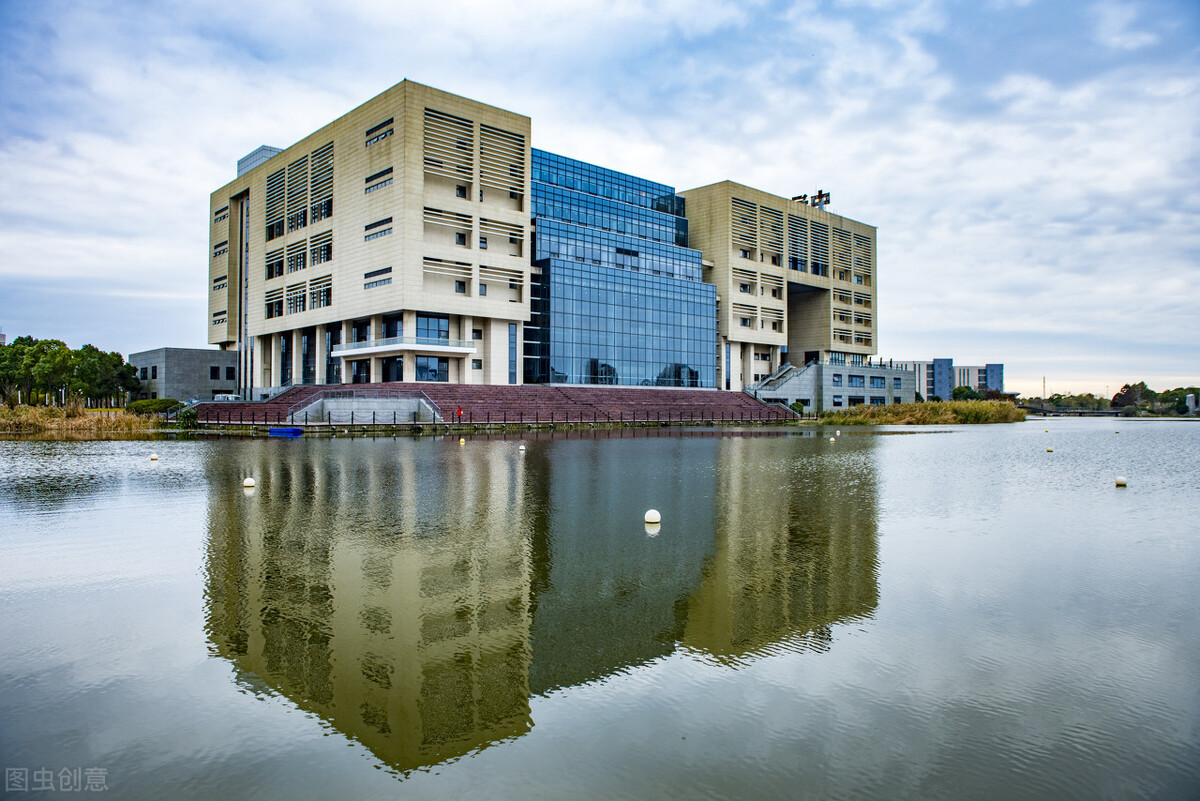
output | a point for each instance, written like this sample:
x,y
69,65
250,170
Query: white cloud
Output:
x,y
1112,26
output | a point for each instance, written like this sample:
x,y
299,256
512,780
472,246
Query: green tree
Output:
x,y
50,363
14,375
1134,395
965,393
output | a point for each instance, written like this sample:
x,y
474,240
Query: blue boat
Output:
x,y
285,432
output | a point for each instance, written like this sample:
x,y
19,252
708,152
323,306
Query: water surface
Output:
x,y
929,613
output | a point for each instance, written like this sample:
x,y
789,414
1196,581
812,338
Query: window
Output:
x,y
858,381
460,191
896,384
373,178
230,373
323,208
377,230
774,325
221,248
460,238
745,254
476,333
745,322
837,379
380,282
374,273
379,131
214,374
460,287
482,289
154,371
476,364
743,287
878,382
483,243
433,326
857,400
433,368
775,260
837,400
775,292
142,374
321,292
274,264
878,401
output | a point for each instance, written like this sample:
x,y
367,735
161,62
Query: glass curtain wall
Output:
x,y
617,296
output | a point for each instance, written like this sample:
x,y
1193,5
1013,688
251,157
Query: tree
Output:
x,y
966,393
1134,395
14,375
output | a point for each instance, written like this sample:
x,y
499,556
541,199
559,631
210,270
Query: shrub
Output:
x,y
188,417
152,406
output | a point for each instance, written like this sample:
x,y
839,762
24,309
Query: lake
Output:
x,y
930,613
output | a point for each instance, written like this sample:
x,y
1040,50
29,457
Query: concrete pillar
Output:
x,y
347,328
275,358
297,357
320,354
470,375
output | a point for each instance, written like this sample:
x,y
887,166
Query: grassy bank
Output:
x,y
72,420
931,413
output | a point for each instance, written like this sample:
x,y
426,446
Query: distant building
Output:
x,y
822,386
939,377
185,373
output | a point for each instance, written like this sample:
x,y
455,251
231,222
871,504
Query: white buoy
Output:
x,y
1120,481
833,439
652,529
521,448
652,516
247,482
838,432
154,457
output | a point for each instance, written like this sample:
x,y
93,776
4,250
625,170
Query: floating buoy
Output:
x,y
154,457
652,516
1047,431
652,529
462,441
247,482
833,439
1049,450
521,448
838,432
1120,481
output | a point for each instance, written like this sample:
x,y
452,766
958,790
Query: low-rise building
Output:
x,y
185,373
822,386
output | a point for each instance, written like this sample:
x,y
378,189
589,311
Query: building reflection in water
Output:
x,y
415,594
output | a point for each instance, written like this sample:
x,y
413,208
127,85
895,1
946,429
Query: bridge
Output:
x,y
1054,411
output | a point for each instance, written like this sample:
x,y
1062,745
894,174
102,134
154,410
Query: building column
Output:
x,y
276,367
297,357
347,327
320,354
470,375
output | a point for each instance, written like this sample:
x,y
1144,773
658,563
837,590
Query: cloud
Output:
x,y
1112,26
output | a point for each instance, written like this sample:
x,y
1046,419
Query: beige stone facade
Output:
x,y
415,204
794,283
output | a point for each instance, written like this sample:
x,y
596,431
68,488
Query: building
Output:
x,y
821,386
795,282
388,245
185,373
618,295
938,378
420,237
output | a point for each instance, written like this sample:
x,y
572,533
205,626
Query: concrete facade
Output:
x,y
794,282
185,373
939,377
390,242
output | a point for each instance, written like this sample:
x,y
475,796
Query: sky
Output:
x,y
1032,167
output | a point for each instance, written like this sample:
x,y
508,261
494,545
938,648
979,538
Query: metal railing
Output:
x,y
350,347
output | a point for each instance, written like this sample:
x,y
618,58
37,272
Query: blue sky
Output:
x,y
1033,167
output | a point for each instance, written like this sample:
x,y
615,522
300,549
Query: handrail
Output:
x,y
349,347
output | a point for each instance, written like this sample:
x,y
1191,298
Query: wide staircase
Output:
x,y
530,403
